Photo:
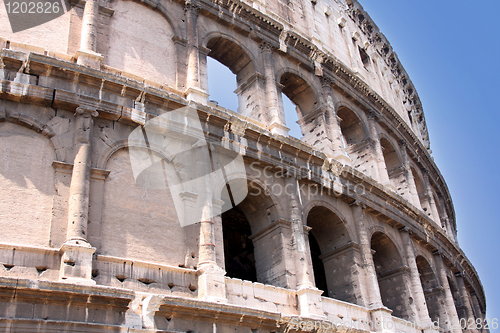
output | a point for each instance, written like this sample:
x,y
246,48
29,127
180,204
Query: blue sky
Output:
x,y
451,52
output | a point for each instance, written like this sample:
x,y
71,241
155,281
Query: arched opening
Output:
x,y
318,267
332,255
291,118
239,256
304,98
390,275
393,165
430,284
247,86
246,248
351,126
422,195
300,93
353,139
221,85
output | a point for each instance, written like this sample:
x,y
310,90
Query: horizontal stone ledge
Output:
x,y
42,290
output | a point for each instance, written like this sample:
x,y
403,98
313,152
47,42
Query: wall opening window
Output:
x,y
221,85
238,248
318,267
365,59
291,117
332,255
234,85
390,274
430,285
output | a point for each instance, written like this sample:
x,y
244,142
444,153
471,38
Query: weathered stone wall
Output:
x,y
85,246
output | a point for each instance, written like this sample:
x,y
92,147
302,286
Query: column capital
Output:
x,y
85,110
191,6
326,82
266,46
373,115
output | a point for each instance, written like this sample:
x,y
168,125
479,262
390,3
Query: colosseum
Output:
x,y
132,202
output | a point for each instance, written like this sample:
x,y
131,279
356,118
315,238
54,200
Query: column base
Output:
x,y
89,59
310,303
277,128
343,159
381,319
76,262
197,95
212,284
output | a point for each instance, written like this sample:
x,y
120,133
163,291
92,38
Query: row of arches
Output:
x,y
403,174
335,263
332,246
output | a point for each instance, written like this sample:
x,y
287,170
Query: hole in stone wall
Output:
x,y
364,57
121,277
318,267
41,269
8,266
291,117
221,85
146,281
238,248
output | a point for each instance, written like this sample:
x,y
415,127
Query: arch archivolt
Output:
x,y
389,232
307,207
219,34
393,143
41,127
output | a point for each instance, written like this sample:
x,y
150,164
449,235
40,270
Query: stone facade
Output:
x,y
352,224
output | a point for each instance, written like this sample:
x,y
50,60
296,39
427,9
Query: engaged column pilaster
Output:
x,y
76,261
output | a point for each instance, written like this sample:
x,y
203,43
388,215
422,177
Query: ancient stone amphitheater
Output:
x,y
351,227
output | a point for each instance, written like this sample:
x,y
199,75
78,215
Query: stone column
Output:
x,y
383,176
465,299
477,309
412,193
309,297
380,315
445,220
87,55
430,197
211,282
76,261
333,123
194,91
416,285
449,303
276,112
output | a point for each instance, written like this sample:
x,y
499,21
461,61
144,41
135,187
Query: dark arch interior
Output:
x,y
389,268
245,258
430,285
331,267
351,126
300,93
391,158
238,248
318,267
231,55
